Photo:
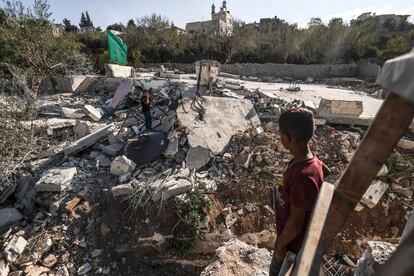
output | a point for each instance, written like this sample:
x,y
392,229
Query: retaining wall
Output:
x,y
273,70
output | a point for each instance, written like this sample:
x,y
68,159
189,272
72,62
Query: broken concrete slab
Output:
x,y
113,139
222,118
406,144
122,165
9,216
197,157
122,190
172,148
238,258
72,113
93,113
88,140
53,123
55,180
176,187
339,108
118,71
374,194
15,248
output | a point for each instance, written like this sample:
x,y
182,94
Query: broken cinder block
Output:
x,y
94,113
374,194
55,180
122,190
122,165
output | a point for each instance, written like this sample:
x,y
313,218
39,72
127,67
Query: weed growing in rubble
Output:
x,y
398,163
187,231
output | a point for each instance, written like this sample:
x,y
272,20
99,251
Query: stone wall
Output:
x,y
273,70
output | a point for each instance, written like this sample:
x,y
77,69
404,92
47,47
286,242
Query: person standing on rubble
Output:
x,y
299,187
146,101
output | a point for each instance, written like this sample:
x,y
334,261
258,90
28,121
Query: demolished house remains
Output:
x,y
108,197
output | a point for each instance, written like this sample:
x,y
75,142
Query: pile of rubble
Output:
x,y
103,186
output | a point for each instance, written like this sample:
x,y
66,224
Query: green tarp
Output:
x,y
117,49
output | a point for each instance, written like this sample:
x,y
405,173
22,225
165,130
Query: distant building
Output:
x,y
394,19
221,23
90,29
57,30
178,30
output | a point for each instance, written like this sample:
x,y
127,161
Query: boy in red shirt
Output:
x,y
297,193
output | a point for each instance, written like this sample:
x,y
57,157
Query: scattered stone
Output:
x,y
122,165
50,261
9,216
406,144
113,149
82,129
238,258
230,220
177,187
197,158
85,268
33,270
15,273
4,268
95,253
125,178
55,180
113,139
15,248
122,190
103,161
383,171
93,113
172,148
339,108
271,127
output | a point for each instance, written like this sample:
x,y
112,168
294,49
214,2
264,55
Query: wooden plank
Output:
x,y
401,262
309,259
392,120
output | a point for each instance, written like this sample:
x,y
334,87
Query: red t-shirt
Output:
x,y
299,187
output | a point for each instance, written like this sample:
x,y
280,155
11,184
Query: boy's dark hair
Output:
x,y
298,123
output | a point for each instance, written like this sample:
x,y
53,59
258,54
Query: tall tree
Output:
x,y
83,22
68,26
88,20
131,23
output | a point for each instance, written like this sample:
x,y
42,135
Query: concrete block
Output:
x,y
94,113
122,190
374,194
88,140
72,113
122,165
172,148
8,216
15,248
118,71
197,157
55,180
177,187
339,108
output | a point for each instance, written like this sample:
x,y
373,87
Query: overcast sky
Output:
x,y
105,12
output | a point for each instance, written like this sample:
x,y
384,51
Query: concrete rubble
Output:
x,y
376,254
55,180
83,191
238,258
122,165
